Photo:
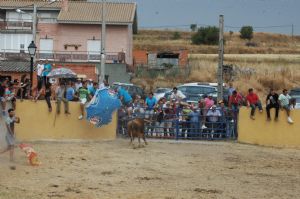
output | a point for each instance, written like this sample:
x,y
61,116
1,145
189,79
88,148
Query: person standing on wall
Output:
x,y
84,96
46,71
39,72
61,97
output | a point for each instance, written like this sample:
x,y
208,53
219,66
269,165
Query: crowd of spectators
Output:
x,y
164,117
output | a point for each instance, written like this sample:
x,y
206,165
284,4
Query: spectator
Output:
x,y
230,89
177,95
70,95
150,104
10,95
272,102
124,96
46,71
40,68
253,101
284,100
48,96
93,89
194,122
185,117
2,97
235,101
90,84
213,115
61,97
84,95
208,103
78,85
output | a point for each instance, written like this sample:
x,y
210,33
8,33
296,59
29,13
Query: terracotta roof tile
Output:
x,y
13,66
81,11
88,12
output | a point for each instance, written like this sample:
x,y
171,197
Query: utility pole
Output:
x,y
103,39
292,32
34,23
221,57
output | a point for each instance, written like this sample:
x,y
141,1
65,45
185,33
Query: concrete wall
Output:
x,y
38,124
117,73
262,132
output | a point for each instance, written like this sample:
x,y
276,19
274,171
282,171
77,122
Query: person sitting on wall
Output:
x,y
272,102
253,101
84,96
61,97
284,100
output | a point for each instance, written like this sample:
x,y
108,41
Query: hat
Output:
x,y
221,101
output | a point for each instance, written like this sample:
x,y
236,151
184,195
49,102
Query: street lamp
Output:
x,y
31,50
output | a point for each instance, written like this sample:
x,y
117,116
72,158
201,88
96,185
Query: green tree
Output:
x,y
176,35
206,35
193,27
246,32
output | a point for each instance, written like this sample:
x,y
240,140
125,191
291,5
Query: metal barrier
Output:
x,y
182,127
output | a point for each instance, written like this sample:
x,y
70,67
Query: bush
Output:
x,y
176,35
206,35
246,32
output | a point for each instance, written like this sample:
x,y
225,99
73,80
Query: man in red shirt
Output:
x,y
253,101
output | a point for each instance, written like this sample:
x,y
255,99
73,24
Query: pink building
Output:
x,y
67,31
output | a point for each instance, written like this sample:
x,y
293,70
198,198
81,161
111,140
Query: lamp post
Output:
x,y
31,50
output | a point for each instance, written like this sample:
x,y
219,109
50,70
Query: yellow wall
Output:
x,y
262,132
38,124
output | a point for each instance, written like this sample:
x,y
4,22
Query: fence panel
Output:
x,y
181,127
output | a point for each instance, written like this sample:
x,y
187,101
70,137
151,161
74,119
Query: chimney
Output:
x,y
65,5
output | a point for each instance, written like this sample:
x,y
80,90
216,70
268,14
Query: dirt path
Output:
x,y
165,170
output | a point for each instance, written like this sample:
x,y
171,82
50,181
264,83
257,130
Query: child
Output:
x,y
10,135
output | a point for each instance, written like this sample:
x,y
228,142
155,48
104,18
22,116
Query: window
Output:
x,y
46,49
93,46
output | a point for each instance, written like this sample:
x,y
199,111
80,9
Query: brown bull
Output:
x,y
135,128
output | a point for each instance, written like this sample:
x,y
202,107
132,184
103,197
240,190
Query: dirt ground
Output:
x,y
163,169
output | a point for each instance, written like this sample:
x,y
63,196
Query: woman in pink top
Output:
x,y
209,102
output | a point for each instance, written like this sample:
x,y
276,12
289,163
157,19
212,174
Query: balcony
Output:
x,y
15,24
63,56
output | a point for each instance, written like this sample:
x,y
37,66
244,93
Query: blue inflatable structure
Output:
x,y
101,108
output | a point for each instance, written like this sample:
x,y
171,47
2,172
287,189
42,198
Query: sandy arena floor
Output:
x,y
163,169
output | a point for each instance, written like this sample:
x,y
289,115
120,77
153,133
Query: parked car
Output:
x,y
196,91
160,92
295,93
132,89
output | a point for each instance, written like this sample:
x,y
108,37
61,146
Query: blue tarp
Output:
x,y
100,109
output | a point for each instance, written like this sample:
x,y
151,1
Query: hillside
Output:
x,y
267,43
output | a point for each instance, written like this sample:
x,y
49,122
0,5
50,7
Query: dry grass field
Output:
x,y
276,60
271,71
267,43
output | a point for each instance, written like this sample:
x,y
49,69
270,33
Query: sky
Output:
x,y
264,15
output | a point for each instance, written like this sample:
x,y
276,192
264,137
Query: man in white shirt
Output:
x,y
39,70
284,100
177,95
